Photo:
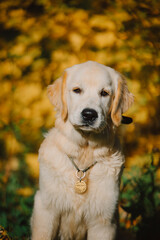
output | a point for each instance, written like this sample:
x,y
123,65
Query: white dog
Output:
x,y
81,159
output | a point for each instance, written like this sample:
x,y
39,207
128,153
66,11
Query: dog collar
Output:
x,y
81,186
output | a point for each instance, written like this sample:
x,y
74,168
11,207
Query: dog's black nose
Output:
x,y
89,115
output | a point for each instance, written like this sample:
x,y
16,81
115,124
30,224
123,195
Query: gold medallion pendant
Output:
x,y
80,187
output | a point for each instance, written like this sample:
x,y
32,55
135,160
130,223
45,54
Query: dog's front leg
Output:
x,y
102,231
44,223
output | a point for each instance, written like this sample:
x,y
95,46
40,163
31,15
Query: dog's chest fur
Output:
x,y
57,180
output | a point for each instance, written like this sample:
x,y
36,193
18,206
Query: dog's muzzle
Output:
x,y
89,116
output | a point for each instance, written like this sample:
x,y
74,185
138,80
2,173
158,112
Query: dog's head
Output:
x,y
90,93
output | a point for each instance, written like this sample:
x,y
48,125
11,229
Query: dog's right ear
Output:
x,y
57,95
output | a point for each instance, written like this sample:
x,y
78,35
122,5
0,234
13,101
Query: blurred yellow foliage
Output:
x,y
26,191
102,22
106,39
13,146
25,94
76,40
38,41
32,162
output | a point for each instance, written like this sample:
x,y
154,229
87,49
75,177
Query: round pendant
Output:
x,y
80,187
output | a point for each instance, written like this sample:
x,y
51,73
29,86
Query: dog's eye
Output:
x,y
77,90
104,93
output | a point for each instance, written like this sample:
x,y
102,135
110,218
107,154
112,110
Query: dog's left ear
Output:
x,y
57,95
123,99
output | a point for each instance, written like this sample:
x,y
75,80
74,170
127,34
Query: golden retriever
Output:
x,y
81,159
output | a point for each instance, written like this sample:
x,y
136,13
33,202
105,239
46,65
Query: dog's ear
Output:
x,y
57,95
123,99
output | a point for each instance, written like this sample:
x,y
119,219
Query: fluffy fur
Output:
x,y
60,212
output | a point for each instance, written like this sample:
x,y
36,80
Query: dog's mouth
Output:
x,y
85,126
90,127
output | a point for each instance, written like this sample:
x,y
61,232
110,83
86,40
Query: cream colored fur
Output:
x,y
58,210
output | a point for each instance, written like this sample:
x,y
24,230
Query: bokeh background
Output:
x,y
38,40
